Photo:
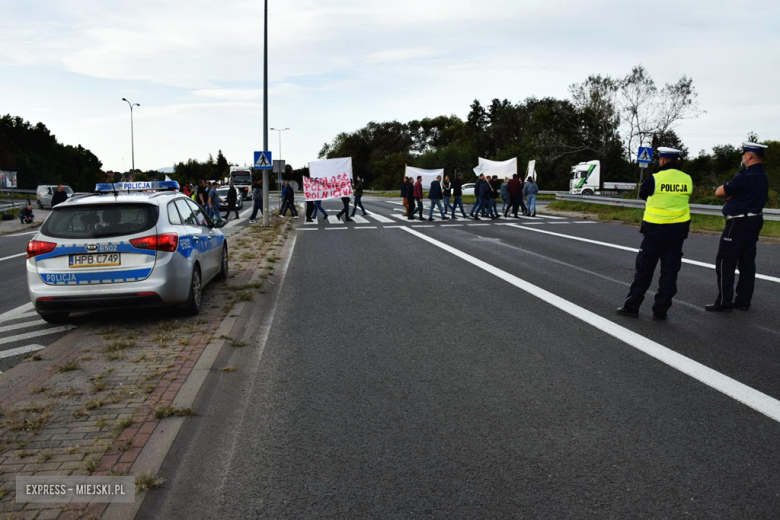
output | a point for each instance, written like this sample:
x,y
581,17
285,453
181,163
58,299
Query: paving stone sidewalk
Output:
x,y
88,404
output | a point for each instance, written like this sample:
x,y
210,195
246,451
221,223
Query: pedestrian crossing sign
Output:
x,y
645,155
263,161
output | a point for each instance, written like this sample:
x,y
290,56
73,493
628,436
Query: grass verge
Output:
x,y
634,216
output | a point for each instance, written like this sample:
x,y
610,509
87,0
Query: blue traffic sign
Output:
x,y
263,161
645,155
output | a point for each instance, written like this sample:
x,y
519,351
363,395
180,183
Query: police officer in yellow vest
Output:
x,y
665,227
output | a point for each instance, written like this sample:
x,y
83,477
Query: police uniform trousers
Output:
x,y
737,249
662,242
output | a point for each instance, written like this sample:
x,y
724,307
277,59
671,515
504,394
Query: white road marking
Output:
x,y
308,229
396,215
364,227
21,350
557,223
12,256
337,229
633,250
394,202
17,312
23,325
333,220
380,218
550,216
478,224
586,222
739,391
312,223
241,218
452,225
360,220
35,334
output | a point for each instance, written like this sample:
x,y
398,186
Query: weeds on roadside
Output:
x,y
67,367
169,411
148,481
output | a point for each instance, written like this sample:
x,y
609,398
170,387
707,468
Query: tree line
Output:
x,y
38,158
603,118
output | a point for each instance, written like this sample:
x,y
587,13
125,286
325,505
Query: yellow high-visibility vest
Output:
x,y
669,202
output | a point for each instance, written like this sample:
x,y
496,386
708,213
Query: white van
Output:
x,y
45,191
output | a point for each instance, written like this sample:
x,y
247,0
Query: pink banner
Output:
x,y
324,188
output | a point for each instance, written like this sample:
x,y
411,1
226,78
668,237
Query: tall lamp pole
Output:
x,y
266,200
280,130
132,140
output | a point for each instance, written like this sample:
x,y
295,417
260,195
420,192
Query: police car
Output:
x,y
136,244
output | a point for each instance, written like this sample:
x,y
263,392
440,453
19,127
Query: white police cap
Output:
x,y
755,148
669,153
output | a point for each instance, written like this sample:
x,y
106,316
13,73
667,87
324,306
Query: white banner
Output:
x,y
500,168
531,170
328,179
428,176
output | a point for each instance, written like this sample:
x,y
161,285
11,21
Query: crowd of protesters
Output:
x,y
514,194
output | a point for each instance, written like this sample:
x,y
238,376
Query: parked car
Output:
x,y
468,189
223,204
136,249
44,192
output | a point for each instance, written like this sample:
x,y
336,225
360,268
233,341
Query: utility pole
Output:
x,y
266,187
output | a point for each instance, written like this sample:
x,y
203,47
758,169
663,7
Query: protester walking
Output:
x,y
515,189
418,196
410,198
447,191
289,201
530,191
257,200
746,195
232,201
435,195
213,202
358,192
457,193
495,190
345,210
505,199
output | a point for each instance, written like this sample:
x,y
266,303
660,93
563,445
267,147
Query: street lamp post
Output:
x,y
132,140
280,130
266,199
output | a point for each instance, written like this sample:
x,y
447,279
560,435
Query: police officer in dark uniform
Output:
x,y
665,227
745,196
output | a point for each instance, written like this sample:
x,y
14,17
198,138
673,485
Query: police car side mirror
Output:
x,y
219,223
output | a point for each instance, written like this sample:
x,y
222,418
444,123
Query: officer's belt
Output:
x,y
729,217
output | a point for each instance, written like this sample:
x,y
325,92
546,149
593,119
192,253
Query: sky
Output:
x,y
196,67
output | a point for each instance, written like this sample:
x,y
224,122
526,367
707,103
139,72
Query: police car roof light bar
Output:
x,y
114,187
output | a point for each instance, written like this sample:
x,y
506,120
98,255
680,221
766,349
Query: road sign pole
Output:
x,y
266,181
642,167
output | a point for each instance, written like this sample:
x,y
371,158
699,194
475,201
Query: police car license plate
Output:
x,y
95,260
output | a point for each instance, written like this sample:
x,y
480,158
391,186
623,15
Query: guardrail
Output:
x,y
699,209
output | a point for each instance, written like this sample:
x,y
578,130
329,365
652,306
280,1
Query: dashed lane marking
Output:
x,y
24,325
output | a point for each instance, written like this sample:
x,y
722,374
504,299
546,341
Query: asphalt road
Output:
x,y
449,370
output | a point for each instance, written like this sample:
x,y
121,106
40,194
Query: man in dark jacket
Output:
x,y
289,201
232,199
257,200
358,192
409,194
515,194
418,196
495,189
26,215
59,196
485,191
435,195
457,192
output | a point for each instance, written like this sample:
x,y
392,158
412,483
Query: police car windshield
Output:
x,y
100,220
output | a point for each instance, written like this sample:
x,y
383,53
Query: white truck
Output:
x,y
586,180
242,180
